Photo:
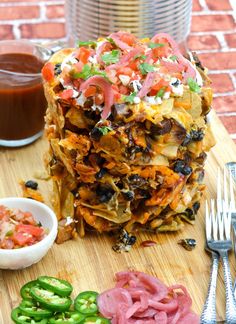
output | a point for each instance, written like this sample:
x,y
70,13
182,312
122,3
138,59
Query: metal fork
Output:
x,y
226,205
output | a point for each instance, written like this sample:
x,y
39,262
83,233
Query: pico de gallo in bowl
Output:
x,y
18,228
28,229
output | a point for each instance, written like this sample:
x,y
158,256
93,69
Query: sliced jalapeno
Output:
x,y
96,320
50,300
86,302
31,308
67,317
24,292
59,286
18,317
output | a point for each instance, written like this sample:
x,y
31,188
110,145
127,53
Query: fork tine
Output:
x,y
227,222
225,190
219,196
231,190
214,220
208,222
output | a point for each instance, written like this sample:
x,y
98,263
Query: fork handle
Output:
x,y
230,312
208,315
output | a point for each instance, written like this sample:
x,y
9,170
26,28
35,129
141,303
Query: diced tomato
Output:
x,y
30,229
162,51
90,91
48,72
125,71
128,38
123,90
66,94
159,85
78,66
83,54
134,65
22,239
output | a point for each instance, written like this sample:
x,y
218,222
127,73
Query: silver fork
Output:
x,y
226,205
208,315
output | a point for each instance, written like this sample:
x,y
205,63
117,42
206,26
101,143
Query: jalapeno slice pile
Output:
x,y
86,302
67,318
58,286
47,301
20,318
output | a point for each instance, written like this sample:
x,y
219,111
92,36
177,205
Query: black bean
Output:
x,y
176,83
57,69
186,140
131,240
178,166
196,135
196,206
101,173
187,170
104,193
145,194
129,195
136,181
96,133
190,214
31,184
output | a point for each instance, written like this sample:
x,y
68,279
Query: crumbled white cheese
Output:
x,y
152,100
124,79
81,100
96,107
136,85
177,89
93,59
166,95
68,61
199,78
69,221
137,100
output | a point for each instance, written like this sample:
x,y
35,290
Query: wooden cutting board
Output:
x,y
90,263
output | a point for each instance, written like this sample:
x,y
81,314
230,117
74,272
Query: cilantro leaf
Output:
x,y
155,45
105,130
79,43
173,58
112,57
87,72
140,56
109,39
193,86
160,93
145,68
130,98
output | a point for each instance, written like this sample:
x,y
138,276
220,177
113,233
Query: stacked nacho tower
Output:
x,y
127,128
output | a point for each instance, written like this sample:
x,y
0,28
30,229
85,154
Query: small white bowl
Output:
x,y
26,256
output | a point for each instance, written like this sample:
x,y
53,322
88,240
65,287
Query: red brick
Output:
x,y
11,13
196,5
6,32
225,104
231,39
55,11
229,123
221,82
203,42
43,30
212,23
219,61
218,4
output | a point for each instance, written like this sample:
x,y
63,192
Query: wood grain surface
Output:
x,y
90,263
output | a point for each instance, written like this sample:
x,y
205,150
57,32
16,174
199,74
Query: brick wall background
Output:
x,y
213,37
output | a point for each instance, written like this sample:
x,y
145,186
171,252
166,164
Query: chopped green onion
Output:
x,y
112,57
140,56
109,39
155,45
160,93
105,130
173,58
87,72
193,86
130,98
91,43
145,68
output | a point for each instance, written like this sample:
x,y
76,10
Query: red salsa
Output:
x,y
18,229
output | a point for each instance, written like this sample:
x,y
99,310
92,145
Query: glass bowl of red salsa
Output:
x,y
22,100
28,229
